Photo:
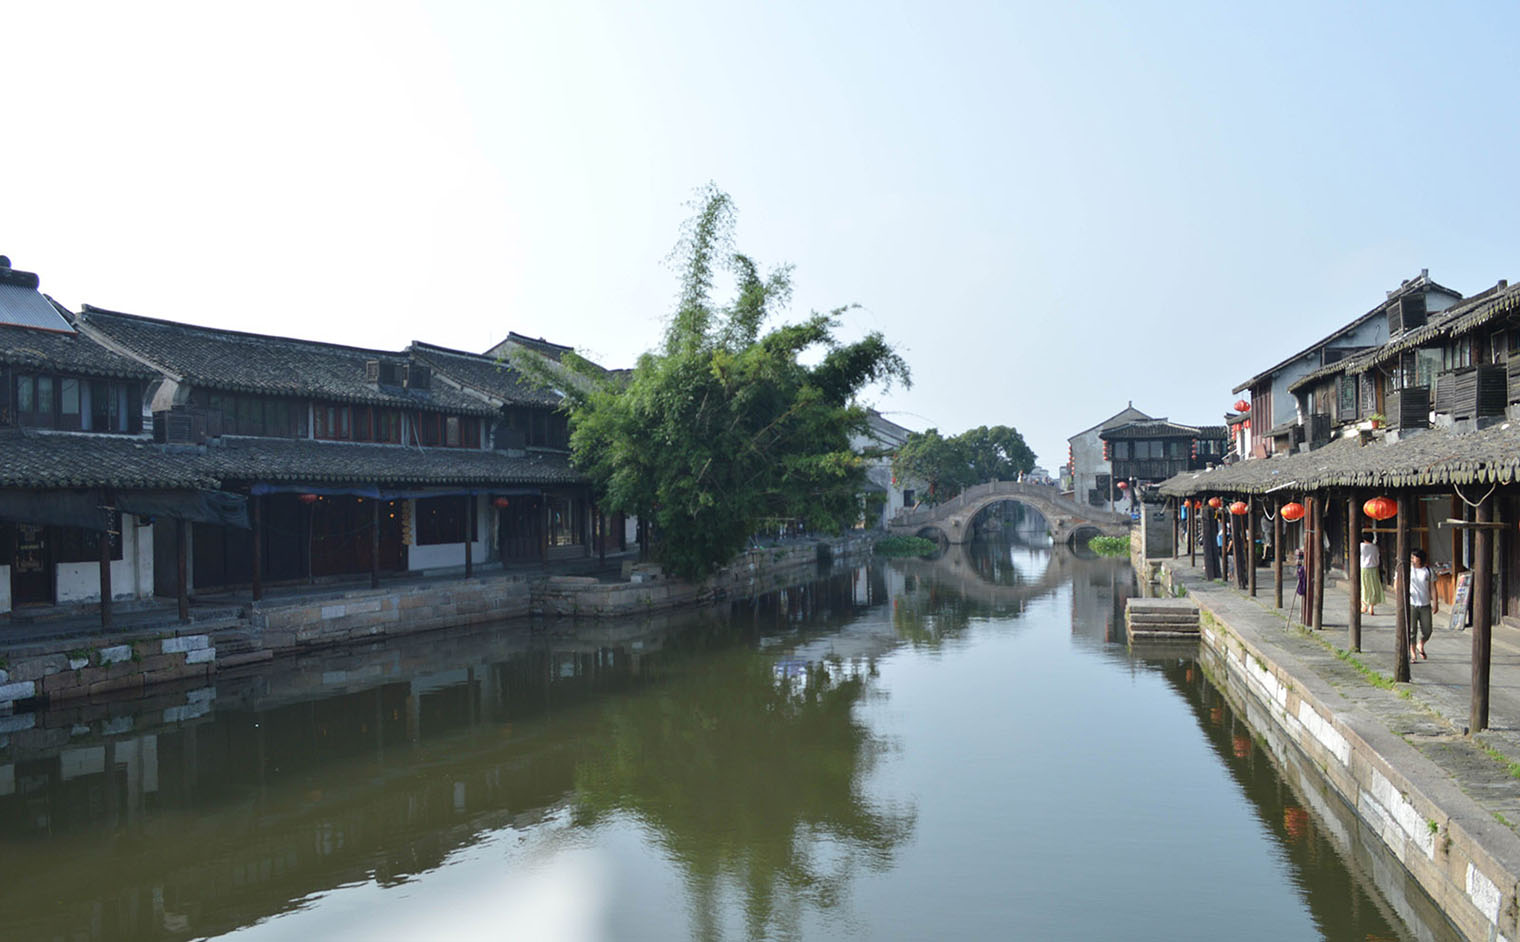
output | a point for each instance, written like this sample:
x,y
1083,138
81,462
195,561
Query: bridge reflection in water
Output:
x,y
739,740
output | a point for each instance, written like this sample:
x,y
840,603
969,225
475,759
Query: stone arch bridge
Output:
x,y
954,517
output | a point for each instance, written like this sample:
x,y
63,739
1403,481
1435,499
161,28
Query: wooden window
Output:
x,y
45,400
564,529
1346,398
26,399
442,520
390,427
68,403
1458,354
364,424
451,431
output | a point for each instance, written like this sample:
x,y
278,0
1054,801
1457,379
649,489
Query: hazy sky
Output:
x,y
1052,208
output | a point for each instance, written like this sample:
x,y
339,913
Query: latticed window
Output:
x,y
1346,397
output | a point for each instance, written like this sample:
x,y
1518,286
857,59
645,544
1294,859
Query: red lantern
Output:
x,y
1242,406
1215,503
1293,511
307,498
1239,508
1381,508
1123,485
501,502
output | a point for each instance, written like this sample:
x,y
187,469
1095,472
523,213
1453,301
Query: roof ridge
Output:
x,y
88,310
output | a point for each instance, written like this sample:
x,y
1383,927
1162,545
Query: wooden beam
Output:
x,y
1251,544
256,504
1483,616
1318,613
105,578
1354,573
1277,556
182,564
1400,598
374,543
469,533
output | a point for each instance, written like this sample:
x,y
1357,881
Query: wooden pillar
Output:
x,y
1400,598
1251,545
1318,611
469,534
1277,555
1354,573
1193,535
256,511
1483,613
105,577
374,543
182,565
1176,528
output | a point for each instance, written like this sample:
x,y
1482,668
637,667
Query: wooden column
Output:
x,y
1176,528
374,544
256,511
1193,536
1354,573
1318,610
182,565
1277,555
1483,613
105,577
469,533
1251,545
1400,598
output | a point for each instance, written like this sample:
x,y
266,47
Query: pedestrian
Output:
x,y
1372,580
1302,592
1422,603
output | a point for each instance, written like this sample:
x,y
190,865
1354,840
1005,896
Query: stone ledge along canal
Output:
x,y
960,748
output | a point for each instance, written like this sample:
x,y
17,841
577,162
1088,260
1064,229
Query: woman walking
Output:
x,y
1372,581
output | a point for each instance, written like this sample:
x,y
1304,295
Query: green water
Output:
x,y
955,749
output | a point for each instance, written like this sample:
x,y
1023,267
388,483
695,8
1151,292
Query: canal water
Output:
x,y
961,748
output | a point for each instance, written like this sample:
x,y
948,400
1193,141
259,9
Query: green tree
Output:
x,y
950,465
725,426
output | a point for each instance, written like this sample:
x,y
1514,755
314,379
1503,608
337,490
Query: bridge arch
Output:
x,y
954,517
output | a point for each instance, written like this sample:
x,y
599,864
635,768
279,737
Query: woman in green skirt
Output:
x,y
1372,581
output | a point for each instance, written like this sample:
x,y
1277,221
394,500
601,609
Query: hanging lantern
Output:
x,y
1215,503
1242,406
1240,508
501,502
1381,508
1123,485
1293,511
307,498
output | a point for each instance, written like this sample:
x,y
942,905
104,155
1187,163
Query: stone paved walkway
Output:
x,y
1430,713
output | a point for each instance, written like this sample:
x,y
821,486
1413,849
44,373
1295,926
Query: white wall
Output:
x,y
131,576
443,555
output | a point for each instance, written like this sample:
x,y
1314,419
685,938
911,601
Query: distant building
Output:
x,y
1091,473
1151,450
886,496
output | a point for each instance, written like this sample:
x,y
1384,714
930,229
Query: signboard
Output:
x,y
1460,600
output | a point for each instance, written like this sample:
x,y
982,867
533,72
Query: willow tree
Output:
x,y
725,425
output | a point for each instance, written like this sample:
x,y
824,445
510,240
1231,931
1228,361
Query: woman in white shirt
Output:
x,y
1372,581
1422,603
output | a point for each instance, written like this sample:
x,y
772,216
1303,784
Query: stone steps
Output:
x,y
1160,619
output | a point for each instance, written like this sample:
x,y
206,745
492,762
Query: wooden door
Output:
x,y
31,567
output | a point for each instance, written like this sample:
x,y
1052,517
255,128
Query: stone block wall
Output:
x,y
369,613
97,669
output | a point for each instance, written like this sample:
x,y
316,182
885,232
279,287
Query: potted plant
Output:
x,y
1377,419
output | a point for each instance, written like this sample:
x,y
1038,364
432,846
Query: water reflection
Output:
x,y
743,743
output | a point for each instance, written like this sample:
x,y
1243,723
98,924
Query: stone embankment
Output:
x,y
1418,787
91,664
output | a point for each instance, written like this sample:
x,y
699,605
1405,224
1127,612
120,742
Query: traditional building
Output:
x,y
885,495
1092,479
1149,451
1273,419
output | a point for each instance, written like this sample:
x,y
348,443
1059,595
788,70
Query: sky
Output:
x,y
1051,209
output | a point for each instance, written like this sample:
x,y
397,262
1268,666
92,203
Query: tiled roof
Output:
x,y
258,363
1419,283
64,353
1161,428
1460,318
485,374
1431,457
302,460
40,460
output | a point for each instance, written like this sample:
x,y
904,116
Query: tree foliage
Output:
x,y
725,426
950,465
